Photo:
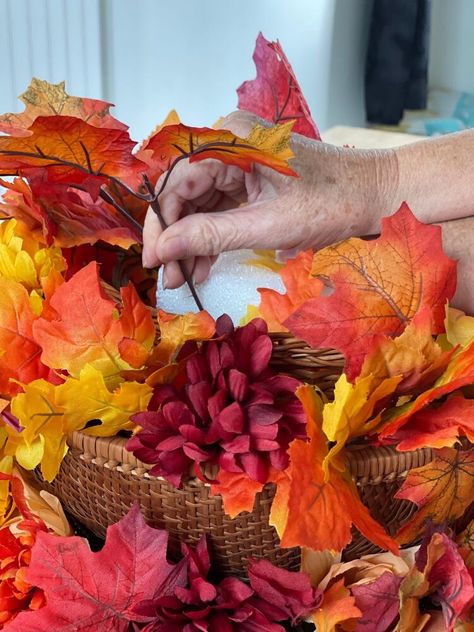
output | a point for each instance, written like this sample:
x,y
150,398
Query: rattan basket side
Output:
x,y
99,480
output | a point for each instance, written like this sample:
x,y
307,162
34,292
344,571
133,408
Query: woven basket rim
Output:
x,y
369,465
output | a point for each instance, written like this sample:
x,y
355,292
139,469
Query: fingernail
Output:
x,y
175,248
164,281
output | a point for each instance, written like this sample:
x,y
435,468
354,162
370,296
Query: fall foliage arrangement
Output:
x,y
199,398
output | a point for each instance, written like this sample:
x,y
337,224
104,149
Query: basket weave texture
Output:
x,y
99,480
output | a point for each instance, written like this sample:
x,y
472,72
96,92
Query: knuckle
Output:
x,y
208,234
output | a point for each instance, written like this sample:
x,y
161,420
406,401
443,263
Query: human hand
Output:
x,y
334,197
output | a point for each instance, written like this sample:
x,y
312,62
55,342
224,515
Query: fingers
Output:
x,y
151,232
205,234
198,267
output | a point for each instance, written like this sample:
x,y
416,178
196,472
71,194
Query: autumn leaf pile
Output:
x,y
198,398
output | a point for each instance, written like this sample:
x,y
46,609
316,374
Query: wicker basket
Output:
x,y
99,480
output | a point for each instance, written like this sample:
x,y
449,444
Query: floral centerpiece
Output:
x,y
198,398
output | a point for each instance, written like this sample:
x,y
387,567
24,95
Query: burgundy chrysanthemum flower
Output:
x,y
232,411
274,595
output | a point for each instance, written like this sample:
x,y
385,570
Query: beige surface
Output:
x,y
363,138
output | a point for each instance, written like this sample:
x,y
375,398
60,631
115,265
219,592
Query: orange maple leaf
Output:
x,y
267,147
161,365
414,355
458,373
378,287
274,307
73,152
65,216
321,510
237,490
42,98
338,606
443,490
20,353
83,326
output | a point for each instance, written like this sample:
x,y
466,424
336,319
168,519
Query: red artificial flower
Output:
x,y
274,595
232,410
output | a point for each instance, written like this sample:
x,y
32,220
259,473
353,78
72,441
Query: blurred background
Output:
x,y
355,59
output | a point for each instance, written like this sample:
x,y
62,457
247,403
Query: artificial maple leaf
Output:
x,y
164,362
118,267
338,606
43,438
16,594
43,505
465,542
378,287
72,151
439,573
98,591
175,330
275,94
42,98
442,489
414,355
237,491
88,398
356,409
274,307
19,350
84,326
7,506
438,427
265,259
458,373
155,168
378,602
67,217
459,327
320,512
48,413
268,147
448,576
23,260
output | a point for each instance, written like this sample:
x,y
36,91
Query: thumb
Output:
x,y
253,226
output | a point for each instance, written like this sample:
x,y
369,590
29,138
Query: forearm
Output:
x,y
436,178
458,243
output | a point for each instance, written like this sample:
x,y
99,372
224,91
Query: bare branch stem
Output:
x,y
155,205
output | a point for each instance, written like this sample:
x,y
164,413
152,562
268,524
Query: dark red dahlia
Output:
x,y
232,410
274,595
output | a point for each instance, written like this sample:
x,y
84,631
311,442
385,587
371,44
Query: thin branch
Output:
x,y
105,195
155,205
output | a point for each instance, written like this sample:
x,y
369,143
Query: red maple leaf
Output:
x,y
275,94
98,591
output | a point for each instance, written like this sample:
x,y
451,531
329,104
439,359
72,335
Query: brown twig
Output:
x,y
155,205
105,195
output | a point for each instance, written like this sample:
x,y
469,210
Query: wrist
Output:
x,y
377,187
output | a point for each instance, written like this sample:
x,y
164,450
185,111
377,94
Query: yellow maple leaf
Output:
x,y
43,438
352,413
48,413
265,259
88,398
459,327
24,260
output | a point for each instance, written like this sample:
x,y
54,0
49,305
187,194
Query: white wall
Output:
x,y
193,55
149,56
52,40
452,45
